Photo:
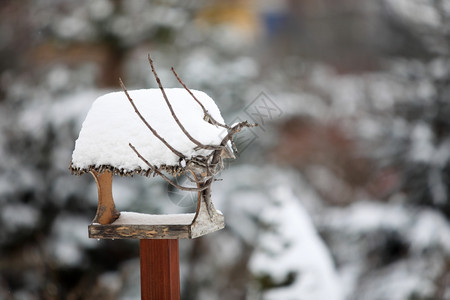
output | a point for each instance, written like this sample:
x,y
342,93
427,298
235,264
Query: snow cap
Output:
x,y
112,124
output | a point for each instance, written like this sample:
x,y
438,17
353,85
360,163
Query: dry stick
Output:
x,y
206,194
154,169
233,146
209,147
189,178
205,112
235,129
199,198
155,133
199,162
216,154
198,101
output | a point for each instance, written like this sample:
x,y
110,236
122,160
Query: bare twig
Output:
x,y
233,146
189,178
199,162
154,169
155,133
216,157
199,198
192,139
206,113
235,129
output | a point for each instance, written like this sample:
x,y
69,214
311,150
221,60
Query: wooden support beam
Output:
x,y
160,269
106,210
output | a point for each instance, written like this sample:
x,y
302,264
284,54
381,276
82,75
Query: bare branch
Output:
x,y
154,169
199,162
199,198
155,133
233,146
206,113
235,129
189,178
192,139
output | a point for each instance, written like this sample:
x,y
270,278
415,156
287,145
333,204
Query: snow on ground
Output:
x,y
424,228
268,212
112,124
292,246
418,240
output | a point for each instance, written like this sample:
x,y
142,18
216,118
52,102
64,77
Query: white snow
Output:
x,y
132,218
429,229
68,239
416,11
112,124
422,149
425,231
398,281
19,215
294,246
365,216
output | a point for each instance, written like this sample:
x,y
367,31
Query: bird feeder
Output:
x,y
154,132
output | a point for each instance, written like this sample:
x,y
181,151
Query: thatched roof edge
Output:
x,y
173,170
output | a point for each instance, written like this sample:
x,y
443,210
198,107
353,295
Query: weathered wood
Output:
x,y
206,221
203,223
160,271
106,210
130,231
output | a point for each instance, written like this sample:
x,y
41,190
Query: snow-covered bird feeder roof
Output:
x,y
112,125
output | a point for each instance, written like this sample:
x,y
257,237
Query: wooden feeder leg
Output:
x,y
160,269
206,197
106,210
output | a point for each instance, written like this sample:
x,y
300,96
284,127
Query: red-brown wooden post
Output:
x,y
160,269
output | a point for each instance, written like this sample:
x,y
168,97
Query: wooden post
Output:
x,y
160,269
106,210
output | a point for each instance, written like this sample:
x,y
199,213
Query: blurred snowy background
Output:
x,y
341,193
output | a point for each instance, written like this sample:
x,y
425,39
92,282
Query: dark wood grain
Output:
x,y
112,231
160,271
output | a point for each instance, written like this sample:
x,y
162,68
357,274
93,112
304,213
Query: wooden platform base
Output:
x,y
144,226
109,223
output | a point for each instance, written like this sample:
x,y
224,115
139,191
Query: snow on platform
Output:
x,y
131,218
